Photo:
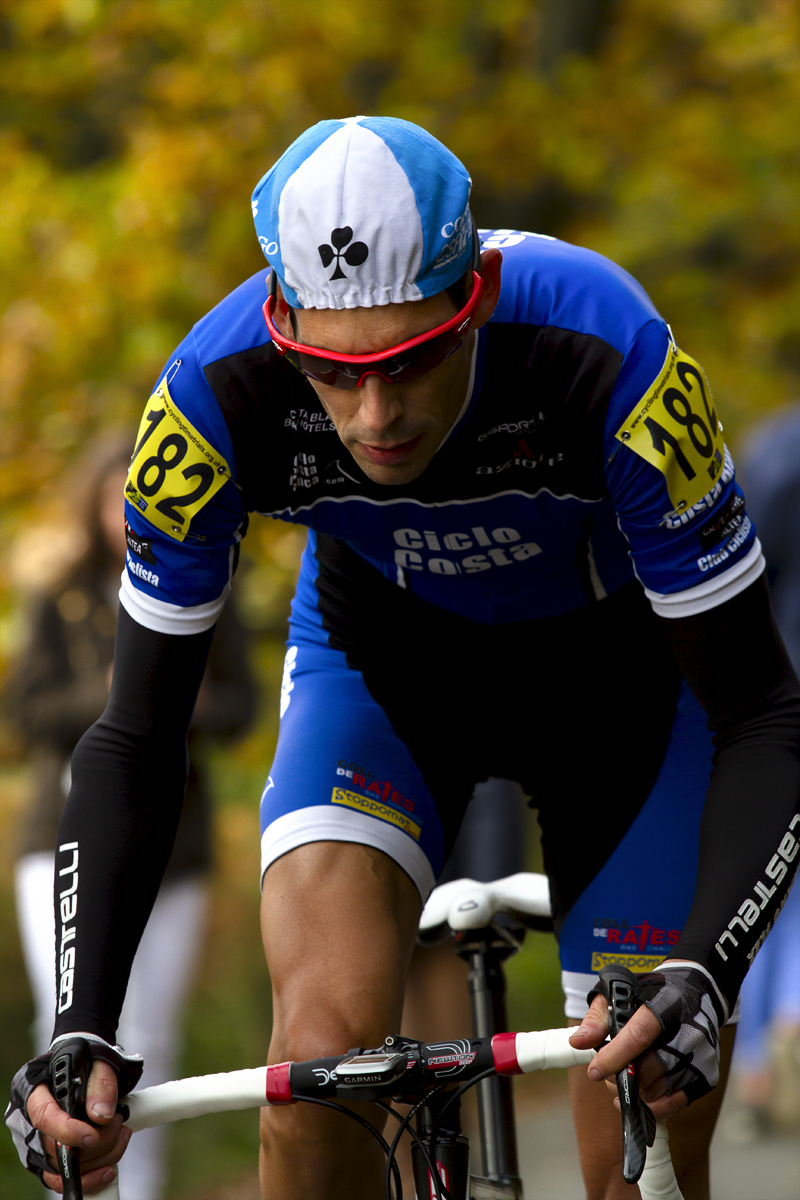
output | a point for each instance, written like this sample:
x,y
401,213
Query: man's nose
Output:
x,y
380,404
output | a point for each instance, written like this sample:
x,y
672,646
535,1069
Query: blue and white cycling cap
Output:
x,y
364,211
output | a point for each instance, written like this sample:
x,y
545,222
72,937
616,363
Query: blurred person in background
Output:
x,y
60,687
767,1058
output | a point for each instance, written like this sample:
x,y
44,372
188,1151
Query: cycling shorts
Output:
x,y
586,710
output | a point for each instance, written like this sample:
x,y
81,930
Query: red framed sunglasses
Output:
x,y
398,364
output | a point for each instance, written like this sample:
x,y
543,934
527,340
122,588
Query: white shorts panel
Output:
x,y
324,823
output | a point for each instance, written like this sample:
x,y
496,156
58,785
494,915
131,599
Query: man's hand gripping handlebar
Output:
x,y
48,1117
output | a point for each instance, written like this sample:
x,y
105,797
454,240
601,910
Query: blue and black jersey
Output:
x,y
588,451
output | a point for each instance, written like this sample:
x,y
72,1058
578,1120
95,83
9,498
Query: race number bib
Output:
x,y
174,470
675,427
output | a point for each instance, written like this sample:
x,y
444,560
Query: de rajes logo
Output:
x,y
354,255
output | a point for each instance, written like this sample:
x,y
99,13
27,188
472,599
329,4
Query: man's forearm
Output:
x,y
749,843
119,823
735,662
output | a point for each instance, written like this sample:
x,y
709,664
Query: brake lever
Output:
x,y
621,989
69,1076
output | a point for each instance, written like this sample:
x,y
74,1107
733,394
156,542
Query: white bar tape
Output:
x,y
658,1180
196,1096
545,1048
192,1097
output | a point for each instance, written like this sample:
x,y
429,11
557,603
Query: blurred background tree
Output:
x,y
133,132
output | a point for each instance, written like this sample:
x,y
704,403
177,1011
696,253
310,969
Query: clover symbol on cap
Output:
x,y
354,255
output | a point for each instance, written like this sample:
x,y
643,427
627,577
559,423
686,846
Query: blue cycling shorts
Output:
x,y
612,749
342,774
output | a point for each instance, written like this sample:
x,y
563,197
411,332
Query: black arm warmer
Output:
x,y
118,825
734,660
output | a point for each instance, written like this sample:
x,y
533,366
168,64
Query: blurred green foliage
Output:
x,y
132,133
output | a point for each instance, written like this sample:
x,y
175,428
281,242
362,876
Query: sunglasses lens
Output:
x,y
398,369
329,371
423,358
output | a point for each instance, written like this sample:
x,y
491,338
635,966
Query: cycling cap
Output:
x,y
364,211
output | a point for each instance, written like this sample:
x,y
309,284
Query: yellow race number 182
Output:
x,y
675,427
174,470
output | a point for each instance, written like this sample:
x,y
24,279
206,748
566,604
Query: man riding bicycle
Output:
x,y
528,558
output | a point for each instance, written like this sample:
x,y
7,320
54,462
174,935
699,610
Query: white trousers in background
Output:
x,y
157,991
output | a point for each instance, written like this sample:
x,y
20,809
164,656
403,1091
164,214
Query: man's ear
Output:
x,y
491,271
281,314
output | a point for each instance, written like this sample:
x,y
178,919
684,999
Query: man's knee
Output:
x,y
338,921
320,1027
317,1026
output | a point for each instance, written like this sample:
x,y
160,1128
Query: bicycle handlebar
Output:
x,y
401,1068
410,1070
196,1096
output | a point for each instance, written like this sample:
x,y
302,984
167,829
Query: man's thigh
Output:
x,y
629,913
338,923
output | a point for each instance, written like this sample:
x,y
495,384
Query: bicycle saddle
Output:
x,y
467,904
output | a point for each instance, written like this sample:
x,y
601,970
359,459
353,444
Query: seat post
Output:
x,y
485,950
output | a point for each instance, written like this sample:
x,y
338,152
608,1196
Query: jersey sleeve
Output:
x,y
672,481
184,516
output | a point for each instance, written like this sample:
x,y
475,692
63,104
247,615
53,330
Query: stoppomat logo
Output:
x,y
634,962
373,808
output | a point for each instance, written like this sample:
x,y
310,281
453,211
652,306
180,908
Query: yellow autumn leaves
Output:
x,y
659,134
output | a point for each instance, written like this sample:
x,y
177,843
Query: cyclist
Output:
x,y
527,557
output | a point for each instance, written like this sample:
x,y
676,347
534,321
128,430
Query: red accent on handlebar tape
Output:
x,y
278,1088
504,1051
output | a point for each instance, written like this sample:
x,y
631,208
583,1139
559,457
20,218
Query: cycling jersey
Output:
x,y
588,449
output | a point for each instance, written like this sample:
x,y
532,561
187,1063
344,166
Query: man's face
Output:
x,y
393,430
